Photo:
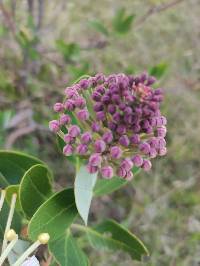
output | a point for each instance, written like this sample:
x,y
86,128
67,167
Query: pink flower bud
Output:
x,y
108,137
82,149
127,164
83,115
68,150
69,105
129,176
115,152
99,146
107,172
86,137
92,169
74,131
137,160
95,159
54,126
146,165
58,107
65,119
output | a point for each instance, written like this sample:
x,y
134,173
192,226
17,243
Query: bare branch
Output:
x,y
157,9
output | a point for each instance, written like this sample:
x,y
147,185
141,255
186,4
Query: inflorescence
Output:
x,y
119,123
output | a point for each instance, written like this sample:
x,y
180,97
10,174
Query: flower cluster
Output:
x,y
119,123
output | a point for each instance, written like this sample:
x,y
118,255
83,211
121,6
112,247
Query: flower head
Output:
x,y
119,123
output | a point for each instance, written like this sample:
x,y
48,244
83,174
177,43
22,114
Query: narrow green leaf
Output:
x,y
158,70
111,235
10,190
98,26
104,186
13,165
122,22
67,252
54,216
35,188
83,189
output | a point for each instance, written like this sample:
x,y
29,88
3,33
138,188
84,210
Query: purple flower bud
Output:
x,y
108,137
107,172
58,107
164,120
92,169
162,151
146,165
150,81
65,119
152,153
100,77
74,131
112,126
98,107
99,146
71,92
96,96
137,160
54,126
100,89
116,98
135,139
68,139
128,110
95,159
82,149
83,115
105,99
122,106
161,131
95,127
69,105
127,164
121,172
129,176
111,108
100,116
68,150
143,77
117,117
124,140
121,129
136,128
84,84
161,143
80,102
86,137
144,148
115,152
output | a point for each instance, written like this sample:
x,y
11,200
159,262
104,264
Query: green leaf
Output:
x,y
67,252
158,70
83,189
105,186
70,51
54,216
10,190
13,165
98,26
111,235
35,188
16,222
121,22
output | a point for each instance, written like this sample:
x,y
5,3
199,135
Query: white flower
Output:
x,y
31,262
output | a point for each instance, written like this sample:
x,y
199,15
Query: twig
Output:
x,y
157,9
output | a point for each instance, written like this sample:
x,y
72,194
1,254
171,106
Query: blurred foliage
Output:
x,y
83,37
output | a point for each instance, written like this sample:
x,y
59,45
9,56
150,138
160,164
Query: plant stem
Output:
x,y
4,255
3,194
9,220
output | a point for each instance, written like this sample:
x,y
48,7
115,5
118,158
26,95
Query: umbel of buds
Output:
x,y
119,123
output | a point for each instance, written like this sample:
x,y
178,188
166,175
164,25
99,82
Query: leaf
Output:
x,y
105,186
54,216
111,235
16,221
83,189
67,252
158,70
13,165
98,26
19,248
10,190
35,188
122,22
70,51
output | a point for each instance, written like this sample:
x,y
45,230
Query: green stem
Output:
x,y
79,227
78,79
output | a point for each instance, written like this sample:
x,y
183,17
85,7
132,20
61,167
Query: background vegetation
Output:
x,y
45,45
